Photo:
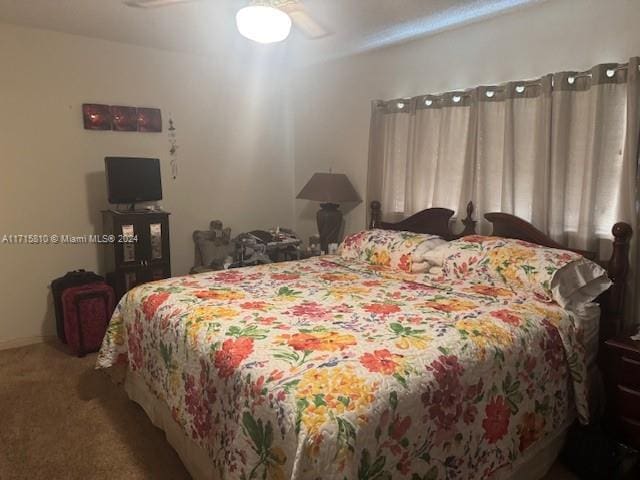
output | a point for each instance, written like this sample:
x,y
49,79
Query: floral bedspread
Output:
x,y
332,369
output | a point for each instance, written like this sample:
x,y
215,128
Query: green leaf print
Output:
x,y
254,430
289,386
396,328
528,269
166,354
375,471
574,368
287,292
346,435
262,438
393,399
401,379
511,391
251,331
443,350
432,474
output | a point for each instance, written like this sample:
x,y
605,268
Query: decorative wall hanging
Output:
x,y
124,119
149,120
173,148
96,116
121,118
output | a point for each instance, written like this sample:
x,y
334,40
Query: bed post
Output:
x,y
617,269
468,222
375,217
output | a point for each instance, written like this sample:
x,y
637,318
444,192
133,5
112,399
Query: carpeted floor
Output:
x,y
61,419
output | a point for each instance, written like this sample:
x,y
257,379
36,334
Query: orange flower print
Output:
x,y
232,353
405,262
381,361
275,375
463,269
477,239
321,341
222,294
382,308
266,320
530,429
490,291
507,316
257,305
449,305
285,276
152,303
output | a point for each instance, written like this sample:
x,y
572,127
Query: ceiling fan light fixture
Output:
x,y
263,24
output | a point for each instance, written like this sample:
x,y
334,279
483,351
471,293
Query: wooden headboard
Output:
x,y
436,221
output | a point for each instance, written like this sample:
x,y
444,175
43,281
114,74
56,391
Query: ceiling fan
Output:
x,y
261,14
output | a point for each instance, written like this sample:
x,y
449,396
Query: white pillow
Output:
x,y
426,247
420,267
579,282
436,255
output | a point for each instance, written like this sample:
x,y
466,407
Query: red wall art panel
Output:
x,y
149,120
124,119
121,118
96,116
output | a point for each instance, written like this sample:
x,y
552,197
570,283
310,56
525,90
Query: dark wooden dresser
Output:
x,y
623,385
140,251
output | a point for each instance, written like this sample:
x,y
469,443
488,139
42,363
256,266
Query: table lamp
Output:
x,y
329,189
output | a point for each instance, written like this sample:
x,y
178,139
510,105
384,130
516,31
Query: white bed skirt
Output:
x,y
194,458
532,466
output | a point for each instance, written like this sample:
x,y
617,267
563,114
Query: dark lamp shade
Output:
x,y
329,188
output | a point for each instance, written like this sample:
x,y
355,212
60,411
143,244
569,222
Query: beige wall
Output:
x,y
332,101
232,166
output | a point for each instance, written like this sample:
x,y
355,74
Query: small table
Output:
x,y
622,376
270,252
284,250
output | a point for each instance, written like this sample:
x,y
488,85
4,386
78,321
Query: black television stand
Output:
x,y
140,251
132,209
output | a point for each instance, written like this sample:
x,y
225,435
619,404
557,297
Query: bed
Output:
x,y
339,368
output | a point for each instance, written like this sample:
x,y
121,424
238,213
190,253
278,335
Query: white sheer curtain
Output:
x,y
421,153
560,151
512,161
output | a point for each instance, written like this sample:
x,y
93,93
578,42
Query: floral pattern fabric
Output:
x,y
388,248
335,369
515,263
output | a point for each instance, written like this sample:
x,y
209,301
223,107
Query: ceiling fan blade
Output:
x,y
304,21
153,3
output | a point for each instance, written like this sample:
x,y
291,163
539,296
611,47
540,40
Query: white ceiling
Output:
x,y
208,26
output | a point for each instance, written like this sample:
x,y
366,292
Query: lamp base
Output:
x,y
329,220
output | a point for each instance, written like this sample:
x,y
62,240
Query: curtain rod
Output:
x,y
501,87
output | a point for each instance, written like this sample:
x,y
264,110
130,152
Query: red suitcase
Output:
x,y
75,278
87,310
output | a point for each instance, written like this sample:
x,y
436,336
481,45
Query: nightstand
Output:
x,y
304,254
622,376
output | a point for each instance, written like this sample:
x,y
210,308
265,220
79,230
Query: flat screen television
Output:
x,y
132,180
